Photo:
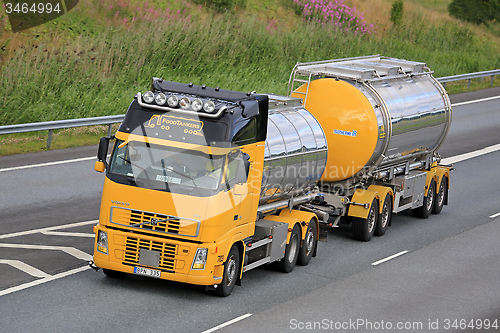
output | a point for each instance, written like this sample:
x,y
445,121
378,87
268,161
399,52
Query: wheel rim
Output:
x,y
371,220
385,215
293,248
230,270
309,241
430,198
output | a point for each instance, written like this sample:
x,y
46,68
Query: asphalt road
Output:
x,y
449,272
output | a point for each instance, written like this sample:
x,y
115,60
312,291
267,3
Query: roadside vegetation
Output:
x,y
93,60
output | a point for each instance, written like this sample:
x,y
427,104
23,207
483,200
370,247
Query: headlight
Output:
x,y
200,259
102,242
209,106
197,104
185,103
148,97
160,99
172,101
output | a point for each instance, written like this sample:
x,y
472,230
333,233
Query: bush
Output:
x,y
221,5
397,12
475,11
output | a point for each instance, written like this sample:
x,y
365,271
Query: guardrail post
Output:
x,y
109,130
468,84
492,77
49,139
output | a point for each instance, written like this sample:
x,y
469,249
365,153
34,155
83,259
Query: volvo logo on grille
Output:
x,y
154,221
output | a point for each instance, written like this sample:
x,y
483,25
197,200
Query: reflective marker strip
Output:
x,y
227,323
389,258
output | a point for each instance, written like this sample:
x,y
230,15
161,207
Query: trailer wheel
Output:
x,y
384,220
114,274
441,196
425,210
287,264
231,271
363,229
308,244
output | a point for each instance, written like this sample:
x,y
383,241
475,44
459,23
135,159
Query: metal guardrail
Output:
x,y
59,124
109,120
469,77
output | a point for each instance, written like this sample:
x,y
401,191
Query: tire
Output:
x,y
384,219
425,210
363,229
231,272
292,249
441,196
308,244
114,274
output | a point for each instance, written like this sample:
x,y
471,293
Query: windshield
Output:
x,y
167,168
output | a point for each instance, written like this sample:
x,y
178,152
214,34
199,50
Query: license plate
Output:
x,y
147,272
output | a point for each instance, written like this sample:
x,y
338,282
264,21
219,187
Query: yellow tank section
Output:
x,y
349,123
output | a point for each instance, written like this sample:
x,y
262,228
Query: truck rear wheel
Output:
x,y
308,244
287,264
363,229
231,271
384,220
425,210
441,196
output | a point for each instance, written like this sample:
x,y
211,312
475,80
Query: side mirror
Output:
x,y
102,152
99,166
250,108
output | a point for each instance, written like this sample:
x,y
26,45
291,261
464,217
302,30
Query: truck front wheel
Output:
x,y
231,271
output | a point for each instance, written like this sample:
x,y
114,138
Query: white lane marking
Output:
x,y
69,250
44,280
466,156
389,258
35,231
494,215
476,101
48,164
227,323
25,268
67,234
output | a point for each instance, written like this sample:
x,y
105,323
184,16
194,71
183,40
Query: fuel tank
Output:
x,y
374,111
348,115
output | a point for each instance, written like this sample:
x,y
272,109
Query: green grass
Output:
x,y
92,61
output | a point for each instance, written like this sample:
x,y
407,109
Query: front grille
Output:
x,y
154,222
167,252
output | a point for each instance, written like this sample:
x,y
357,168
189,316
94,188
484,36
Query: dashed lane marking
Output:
x,y
227,323
389,258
